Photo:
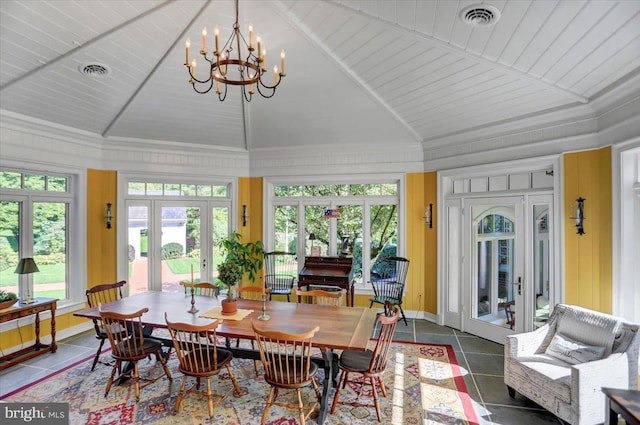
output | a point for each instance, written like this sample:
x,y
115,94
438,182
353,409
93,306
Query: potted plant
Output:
x,y
7,299
240,259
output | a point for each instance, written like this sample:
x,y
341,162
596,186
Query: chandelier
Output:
x,y
238,63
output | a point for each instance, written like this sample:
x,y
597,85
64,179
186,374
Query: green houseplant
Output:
x,y
7,299
240,259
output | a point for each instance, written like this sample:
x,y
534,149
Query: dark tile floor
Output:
x,y
481,359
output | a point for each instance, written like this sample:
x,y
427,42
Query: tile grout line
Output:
x,y
473,379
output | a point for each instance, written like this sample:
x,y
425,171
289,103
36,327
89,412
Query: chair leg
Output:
x,y
300,406
136,380
180,395
375,398
236,387
403,316
269,402
210,398
382,387
97,357
163,362
116,366
371,304
512,392
341,385
255,362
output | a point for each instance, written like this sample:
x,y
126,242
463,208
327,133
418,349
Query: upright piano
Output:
x,y
328,271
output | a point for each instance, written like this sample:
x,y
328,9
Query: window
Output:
x,y
358,220
34,216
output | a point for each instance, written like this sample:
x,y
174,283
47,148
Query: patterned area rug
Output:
x,y
424,384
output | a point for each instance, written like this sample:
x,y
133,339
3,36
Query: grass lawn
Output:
x,y
51,273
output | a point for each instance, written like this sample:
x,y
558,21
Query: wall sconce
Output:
x,y
579,217
428,216
244,216
108,217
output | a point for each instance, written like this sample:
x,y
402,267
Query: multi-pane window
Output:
x,y
34,215
356,220
177,189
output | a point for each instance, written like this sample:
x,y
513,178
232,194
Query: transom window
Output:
x,y
177,189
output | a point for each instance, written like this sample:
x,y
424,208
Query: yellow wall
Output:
x,y
588,281
250,194
101,242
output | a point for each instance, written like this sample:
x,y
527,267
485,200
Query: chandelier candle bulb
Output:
x,y
193,68
264,60
250,37
187,45
216,33
275,75
282,62
204,40
218,84
259,41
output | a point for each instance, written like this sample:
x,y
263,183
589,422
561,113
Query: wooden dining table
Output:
x,y
341,328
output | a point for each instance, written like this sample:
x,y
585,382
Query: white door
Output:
x,y
172,241
494,272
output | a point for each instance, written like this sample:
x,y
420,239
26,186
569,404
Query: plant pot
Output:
x,y
7,304
229,307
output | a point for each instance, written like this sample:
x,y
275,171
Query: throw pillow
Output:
x,y
574,352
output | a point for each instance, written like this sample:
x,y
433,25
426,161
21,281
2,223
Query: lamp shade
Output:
x,y
312,236
26,265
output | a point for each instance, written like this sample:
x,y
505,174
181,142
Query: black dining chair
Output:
x,y
281,270
388,278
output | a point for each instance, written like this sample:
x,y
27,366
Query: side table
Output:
x,y
625,403
19,310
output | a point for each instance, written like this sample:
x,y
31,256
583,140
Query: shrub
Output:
x,y
172,250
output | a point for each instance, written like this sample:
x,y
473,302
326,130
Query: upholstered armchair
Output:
x,y
564,364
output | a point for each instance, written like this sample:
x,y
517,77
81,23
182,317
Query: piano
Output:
x,y
328,271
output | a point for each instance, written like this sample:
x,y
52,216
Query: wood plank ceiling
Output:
x,y
372,73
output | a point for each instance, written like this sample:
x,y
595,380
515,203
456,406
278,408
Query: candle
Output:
x,y
193,68
259,40
187,44
218,84
264,60
192,274
250,36
216,32
204,39
264,283
282,62
275,75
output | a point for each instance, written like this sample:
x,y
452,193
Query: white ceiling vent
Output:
x,y
480,15
94,69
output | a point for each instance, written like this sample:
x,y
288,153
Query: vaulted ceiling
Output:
x,y
400,72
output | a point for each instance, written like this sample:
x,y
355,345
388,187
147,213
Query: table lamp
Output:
x,y
27,266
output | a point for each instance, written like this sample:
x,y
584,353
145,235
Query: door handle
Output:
x,y
519,283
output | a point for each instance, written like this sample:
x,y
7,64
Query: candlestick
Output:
x,y
264,315
193,308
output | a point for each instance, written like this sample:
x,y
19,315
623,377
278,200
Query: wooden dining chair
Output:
x,y
320,296
370,364
199,357
286,359
205,289
102,294
129,344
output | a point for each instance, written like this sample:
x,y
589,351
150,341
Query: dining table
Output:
x,y
341,328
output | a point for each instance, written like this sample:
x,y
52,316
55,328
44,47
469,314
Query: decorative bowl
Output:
x,y
7,304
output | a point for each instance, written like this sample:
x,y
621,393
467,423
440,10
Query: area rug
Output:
x,y
424,384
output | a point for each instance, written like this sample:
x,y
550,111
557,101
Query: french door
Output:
x,y
174,241
507,265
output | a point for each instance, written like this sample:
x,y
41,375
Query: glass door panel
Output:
x,y
138,248
349,235
495,236
541,265
220,226
10,246
50,249
180,246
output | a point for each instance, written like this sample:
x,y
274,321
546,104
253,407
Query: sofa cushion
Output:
x,y
544,372
571,351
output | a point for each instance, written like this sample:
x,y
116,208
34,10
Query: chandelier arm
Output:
x,y
203,82
222,97
266,96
